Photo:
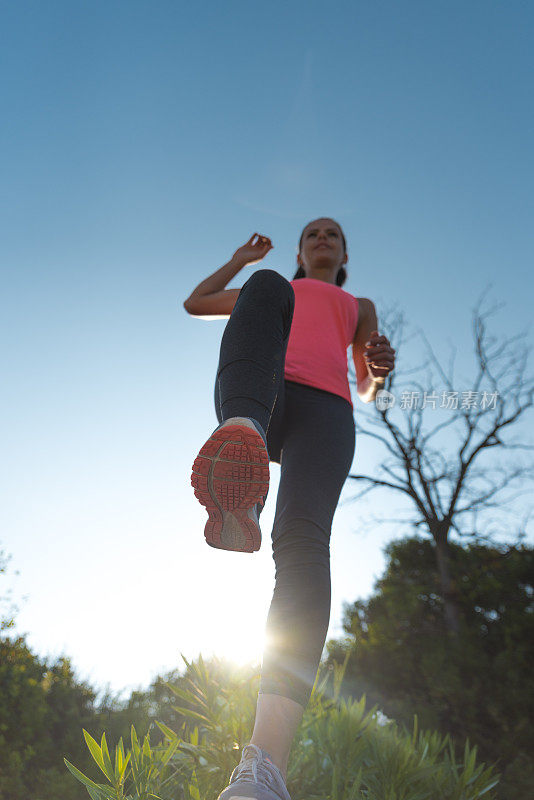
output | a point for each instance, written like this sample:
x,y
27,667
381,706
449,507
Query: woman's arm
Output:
x,y
373,356
210,298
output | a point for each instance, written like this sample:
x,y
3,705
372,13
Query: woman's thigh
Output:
x,y
317,443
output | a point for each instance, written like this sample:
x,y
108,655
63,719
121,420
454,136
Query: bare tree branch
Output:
x,y
442,486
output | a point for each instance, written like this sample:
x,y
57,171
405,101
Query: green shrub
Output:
x,y
341,751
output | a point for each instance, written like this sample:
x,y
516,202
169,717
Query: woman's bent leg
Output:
x,y
253,348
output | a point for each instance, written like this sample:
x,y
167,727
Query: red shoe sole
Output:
x,y
230,474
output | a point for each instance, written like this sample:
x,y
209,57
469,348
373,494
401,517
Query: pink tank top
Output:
x,y
323,327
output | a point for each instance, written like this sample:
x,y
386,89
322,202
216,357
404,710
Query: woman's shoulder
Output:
x,y
366,310
364,302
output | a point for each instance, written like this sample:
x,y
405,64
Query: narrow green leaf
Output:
x,y
135,754
96,795
193,787
100,791
146,747
170,752
107,760
191,695
125,763
355,791
135,740
118,763
470,766
167,731
96,753
488,787
188,712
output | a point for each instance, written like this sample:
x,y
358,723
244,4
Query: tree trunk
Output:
x,y
452,611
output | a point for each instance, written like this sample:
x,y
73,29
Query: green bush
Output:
x,y
341,751
479,685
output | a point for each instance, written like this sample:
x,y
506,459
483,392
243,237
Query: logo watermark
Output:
x,y
447,399
384,399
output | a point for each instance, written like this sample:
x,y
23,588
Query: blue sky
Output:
x,y
141,144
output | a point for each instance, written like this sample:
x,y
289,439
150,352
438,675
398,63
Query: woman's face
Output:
x,y
322,246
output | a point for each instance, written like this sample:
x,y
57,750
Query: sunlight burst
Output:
x,y
240,641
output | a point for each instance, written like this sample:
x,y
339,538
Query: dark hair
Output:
x,y
341,276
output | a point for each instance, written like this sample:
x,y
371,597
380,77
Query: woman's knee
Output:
x,y
268,280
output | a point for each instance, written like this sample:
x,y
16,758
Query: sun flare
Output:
x,y
241,644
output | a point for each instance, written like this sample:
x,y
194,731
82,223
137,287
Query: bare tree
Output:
x,y
467,475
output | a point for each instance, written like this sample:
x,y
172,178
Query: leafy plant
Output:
x,y
341,752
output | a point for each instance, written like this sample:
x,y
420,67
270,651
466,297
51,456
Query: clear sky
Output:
x,y
141,143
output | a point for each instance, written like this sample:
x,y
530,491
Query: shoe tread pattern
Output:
x,y
230,475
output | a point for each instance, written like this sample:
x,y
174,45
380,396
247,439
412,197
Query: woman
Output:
x,y
282,395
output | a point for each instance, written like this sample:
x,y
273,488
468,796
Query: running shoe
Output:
x,y
256,777
231,479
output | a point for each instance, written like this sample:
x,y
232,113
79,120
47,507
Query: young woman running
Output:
x,y
282,395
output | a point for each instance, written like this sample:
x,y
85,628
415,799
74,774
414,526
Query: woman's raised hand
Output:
x,y
254,250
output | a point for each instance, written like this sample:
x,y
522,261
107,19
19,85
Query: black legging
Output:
x,y
311,434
